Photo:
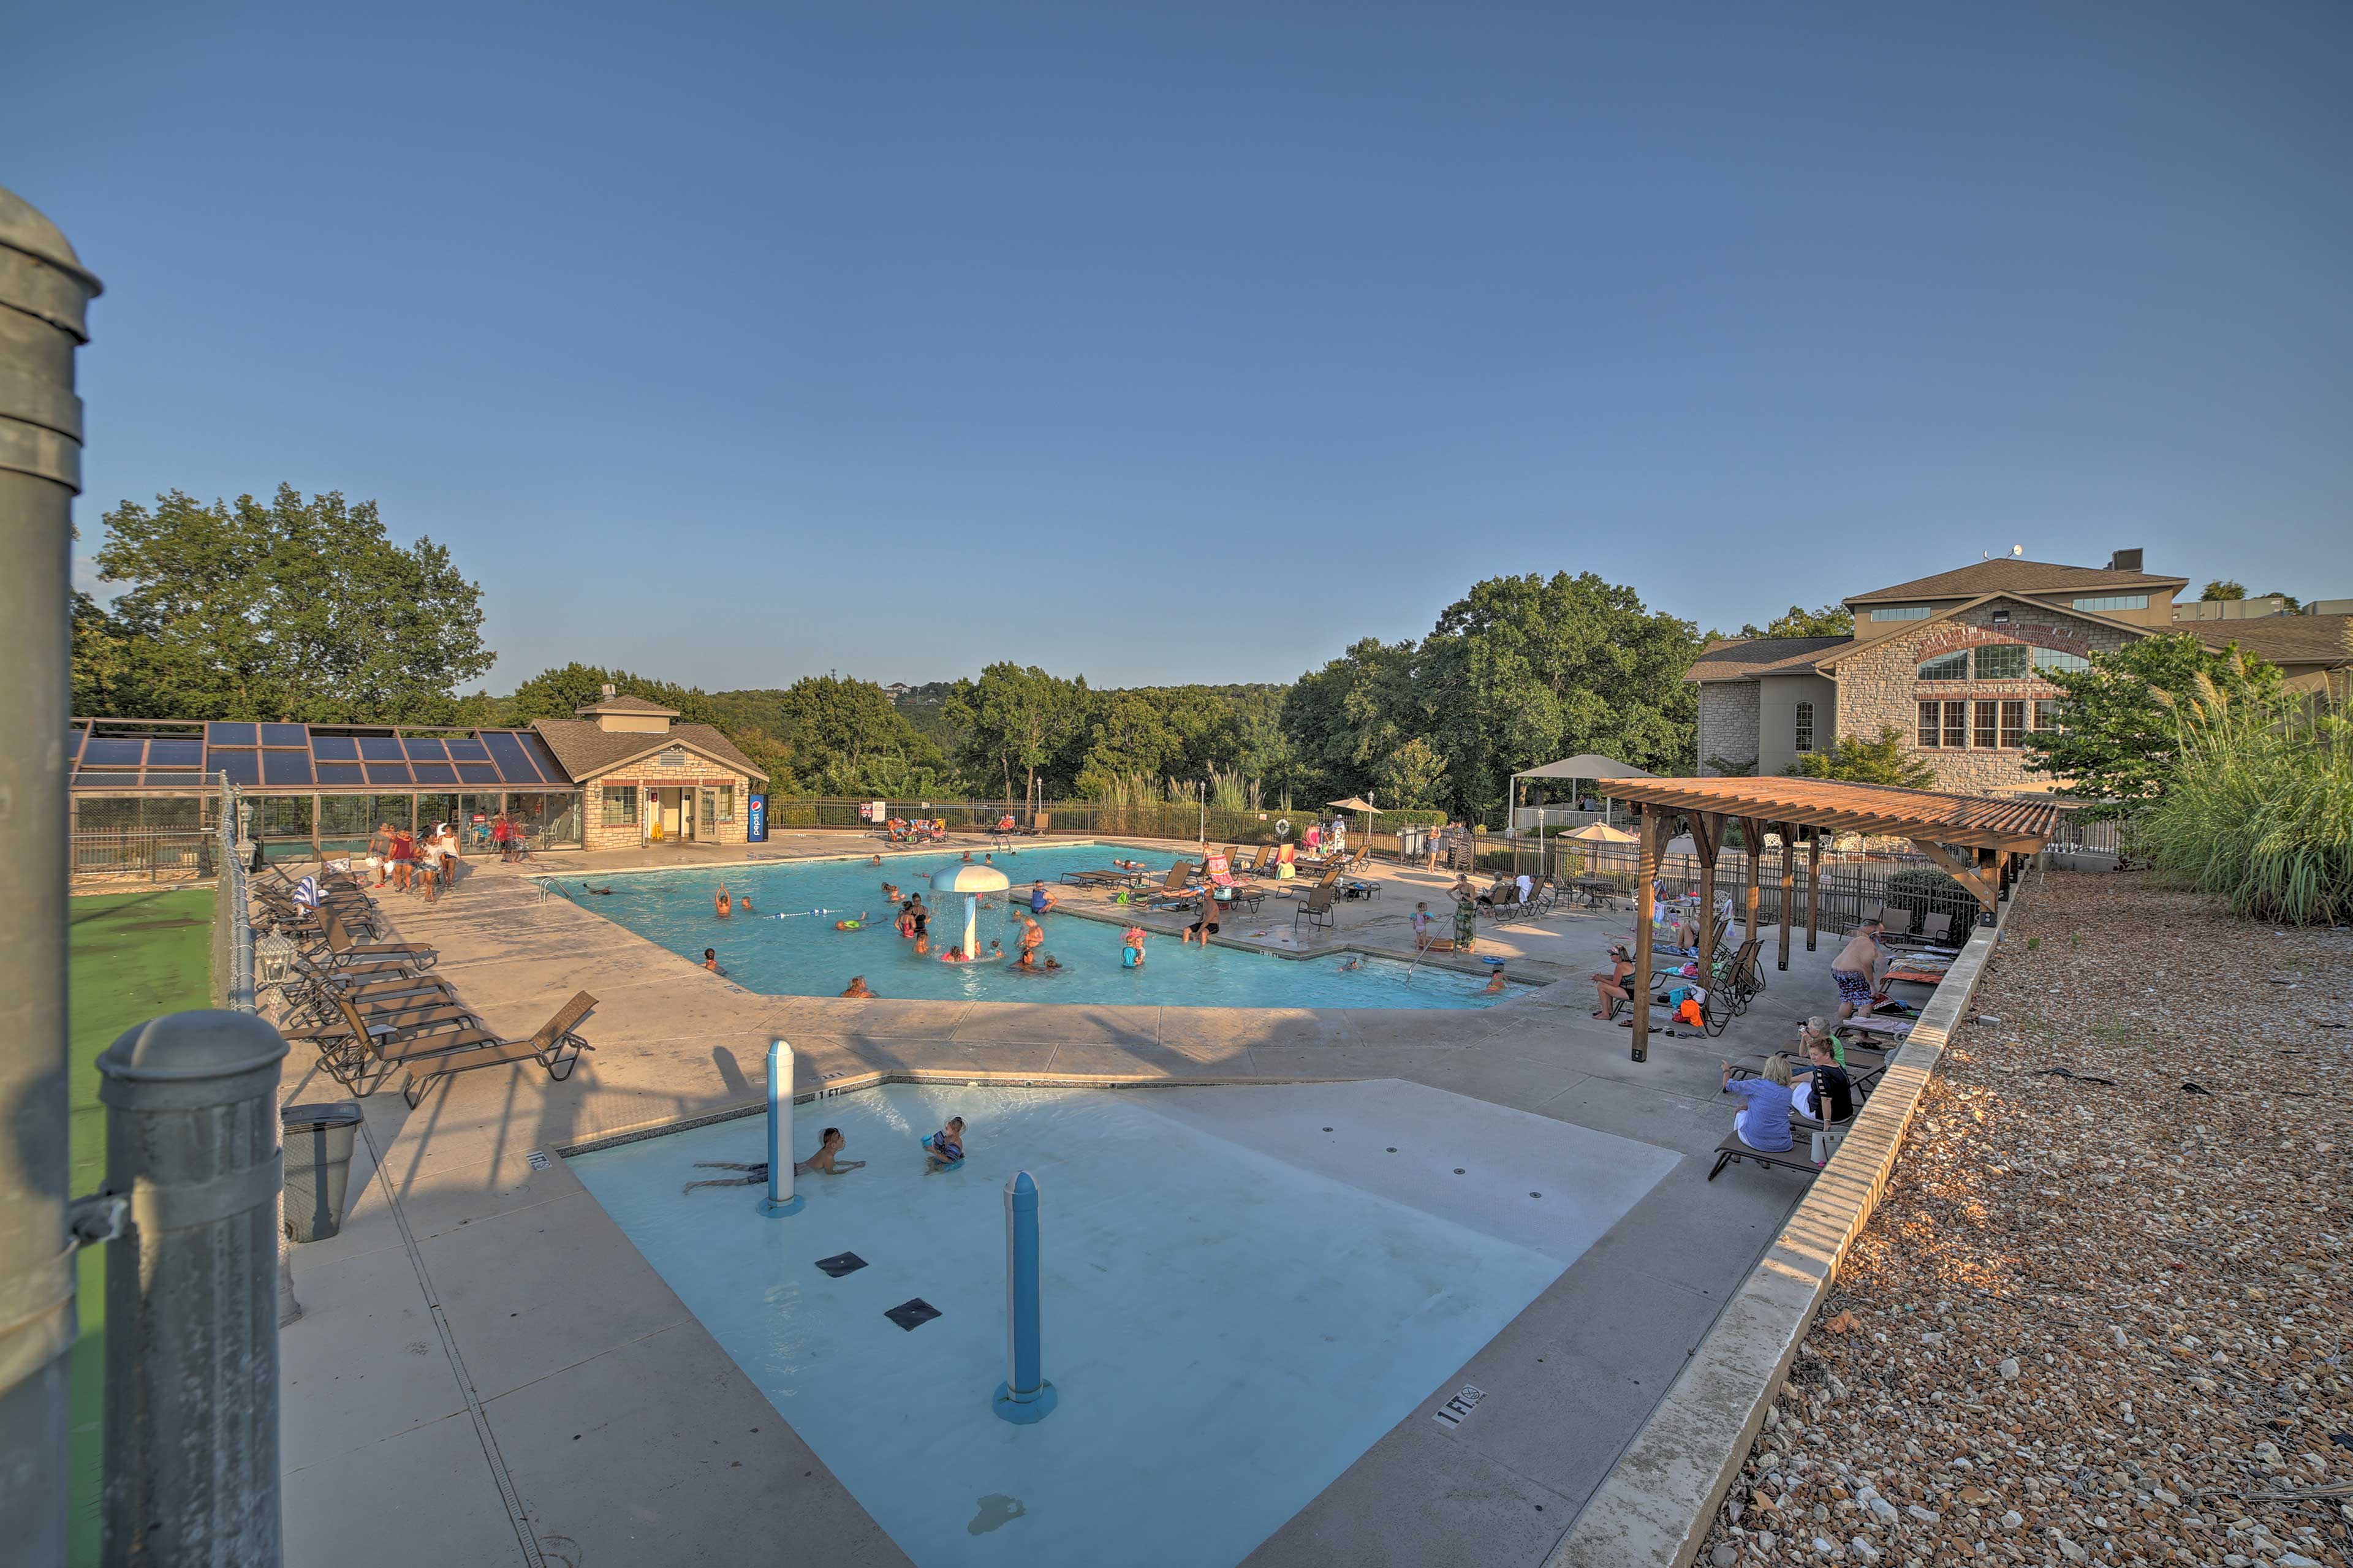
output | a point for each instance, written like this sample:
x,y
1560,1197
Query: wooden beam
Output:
x,y
1966,875
1705,833
1789,890
1813,885
1706,895
1646,914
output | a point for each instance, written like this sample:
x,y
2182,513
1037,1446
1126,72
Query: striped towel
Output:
x,y
307,894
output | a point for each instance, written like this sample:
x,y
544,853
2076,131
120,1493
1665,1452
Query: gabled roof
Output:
x,y
637,705
586,748
1953,612
2326,640
2008,574
1745,658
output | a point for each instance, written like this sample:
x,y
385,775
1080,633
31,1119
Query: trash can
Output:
x,y
319,1139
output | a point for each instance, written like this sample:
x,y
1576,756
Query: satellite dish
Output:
x,y
2018,550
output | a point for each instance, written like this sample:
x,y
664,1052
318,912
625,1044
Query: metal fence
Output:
x,y
1900,889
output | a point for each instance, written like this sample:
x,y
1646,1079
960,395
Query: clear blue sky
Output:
x,y
1194,343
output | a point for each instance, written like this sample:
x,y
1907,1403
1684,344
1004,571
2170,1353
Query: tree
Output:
x,y
1412,776
1013,719
1128,737
2223,588
2120,728
1830,621
296,609
1882,761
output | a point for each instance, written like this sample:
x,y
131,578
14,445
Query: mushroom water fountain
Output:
x,y
972,880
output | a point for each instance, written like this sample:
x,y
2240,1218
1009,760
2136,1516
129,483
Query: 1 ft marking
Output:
x,y
1451,1413
537,1160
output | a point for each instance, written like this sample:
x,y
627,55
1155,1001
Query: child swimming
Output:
x,y
1131,953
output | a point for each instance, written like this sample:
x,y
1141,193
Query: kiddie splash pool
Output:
x,y
1243,1288
801,955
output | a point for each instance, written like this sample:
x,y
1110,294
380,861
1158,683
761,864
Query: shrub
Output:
x,y
2258,810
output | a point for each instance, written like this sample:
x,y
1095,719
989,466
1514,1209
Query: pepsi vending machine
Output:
x,y
756,819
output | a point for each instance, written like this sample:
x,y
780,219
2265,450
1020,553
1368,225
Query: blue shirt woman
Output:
x,y
1764,1122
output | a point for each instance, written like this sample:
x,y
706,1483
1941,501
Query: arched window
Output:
x,y
1946,666
1805,735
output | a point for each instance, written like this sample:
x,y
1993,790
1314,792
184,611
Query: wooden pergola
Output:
x,y
1972,837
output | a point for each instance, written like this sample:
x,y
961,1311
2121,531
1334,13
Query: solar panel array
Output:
x,y
308,757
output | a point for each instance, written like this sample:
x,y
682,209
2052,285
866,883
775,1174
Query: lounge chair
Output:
x,y
1316,907
312,991
1040,823
1250,869
556,1047
1937,928
1172,888
1222,881
338,950
365,1055
1798,1158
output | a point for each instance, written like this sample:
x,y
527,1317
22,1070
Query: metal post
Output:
x,y
1025,1397
781,1199
192,1140
1789,890
44,295
1646,914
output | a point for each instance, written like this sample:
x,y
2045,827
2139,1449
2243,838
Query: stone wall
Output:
x,y
1878,685
647,774
1727,723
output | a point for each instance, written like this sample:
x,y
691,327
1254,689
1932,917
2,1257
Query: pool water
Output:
x,y
803,955
1243,1288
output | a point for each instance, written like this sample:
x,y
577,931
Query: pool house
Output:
x,y
622,772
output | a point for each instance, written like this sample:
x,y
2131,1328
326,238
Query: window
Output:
x,y
1901,613
1805,736
2050,658
726,803
1931,724
1957,725
620,805
1946,666
2001,618
2002,661
2114,602
1989,733
2013,722
2046,713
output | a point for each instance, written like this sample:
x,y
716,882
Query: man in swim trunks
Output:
x,y
1204,924
721,903
1033,937
857,987
826,1160
1855,970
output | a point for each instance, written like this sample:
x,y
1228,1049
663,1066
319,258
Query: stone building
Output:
x,y
1956,662
646,778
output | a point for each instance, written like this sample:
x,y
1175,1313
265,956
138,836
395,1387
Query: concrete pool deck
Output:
x,y
486,1368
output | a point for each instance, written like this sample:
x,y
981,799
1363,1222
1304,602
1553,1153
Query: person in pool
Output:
x,y
857,924
891,891
995,948
923,916
945,1147
876,861
711,961
1033,937
1131,953
1494,983
721,903
857,987
828,1159
1355,960
744,904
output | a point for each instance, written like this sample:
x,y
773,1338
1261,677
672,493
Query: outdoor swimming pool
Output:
x,y
803,955
1244,1290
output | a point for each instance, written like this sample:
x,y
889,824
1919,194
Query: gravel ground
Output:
x,y
2096,1320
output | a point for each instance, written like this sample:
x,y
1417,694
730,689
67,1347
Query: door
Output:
x,y
670,814
707,814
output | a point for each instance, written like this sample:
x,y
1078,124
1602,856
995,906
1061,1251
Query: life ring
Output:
x,y
1282,828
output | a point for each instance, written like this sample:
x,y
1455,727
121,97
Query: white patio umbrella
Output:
x,y
1363,806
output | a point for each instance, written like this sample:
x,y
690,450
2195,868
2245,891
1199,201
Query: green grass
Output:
x,y
133,955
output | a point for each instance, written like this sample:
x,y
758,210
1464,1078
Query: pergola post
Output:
x,y
1789,890
1707,832
1753,835
1646,910
1813,884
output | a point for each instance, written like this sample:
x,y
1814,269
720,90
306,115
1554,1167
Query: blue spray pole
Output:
x,y
781,1199
1025,1396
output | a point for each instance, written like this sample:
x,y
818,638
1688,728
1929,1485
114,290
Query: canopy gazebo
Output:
x,y
1585,766
1975,839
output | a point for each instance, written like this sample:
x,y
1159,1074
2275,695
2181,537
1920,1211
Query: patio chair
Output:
x,y
1172,888
1040,822
1937,928
1251,869
1316,907
1797,1158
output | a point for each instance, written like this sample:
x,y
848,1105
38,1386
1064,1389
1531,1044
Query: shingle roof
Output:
x,y
586,748
2008,574
1740,660
626,705
2285,640
1941,816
